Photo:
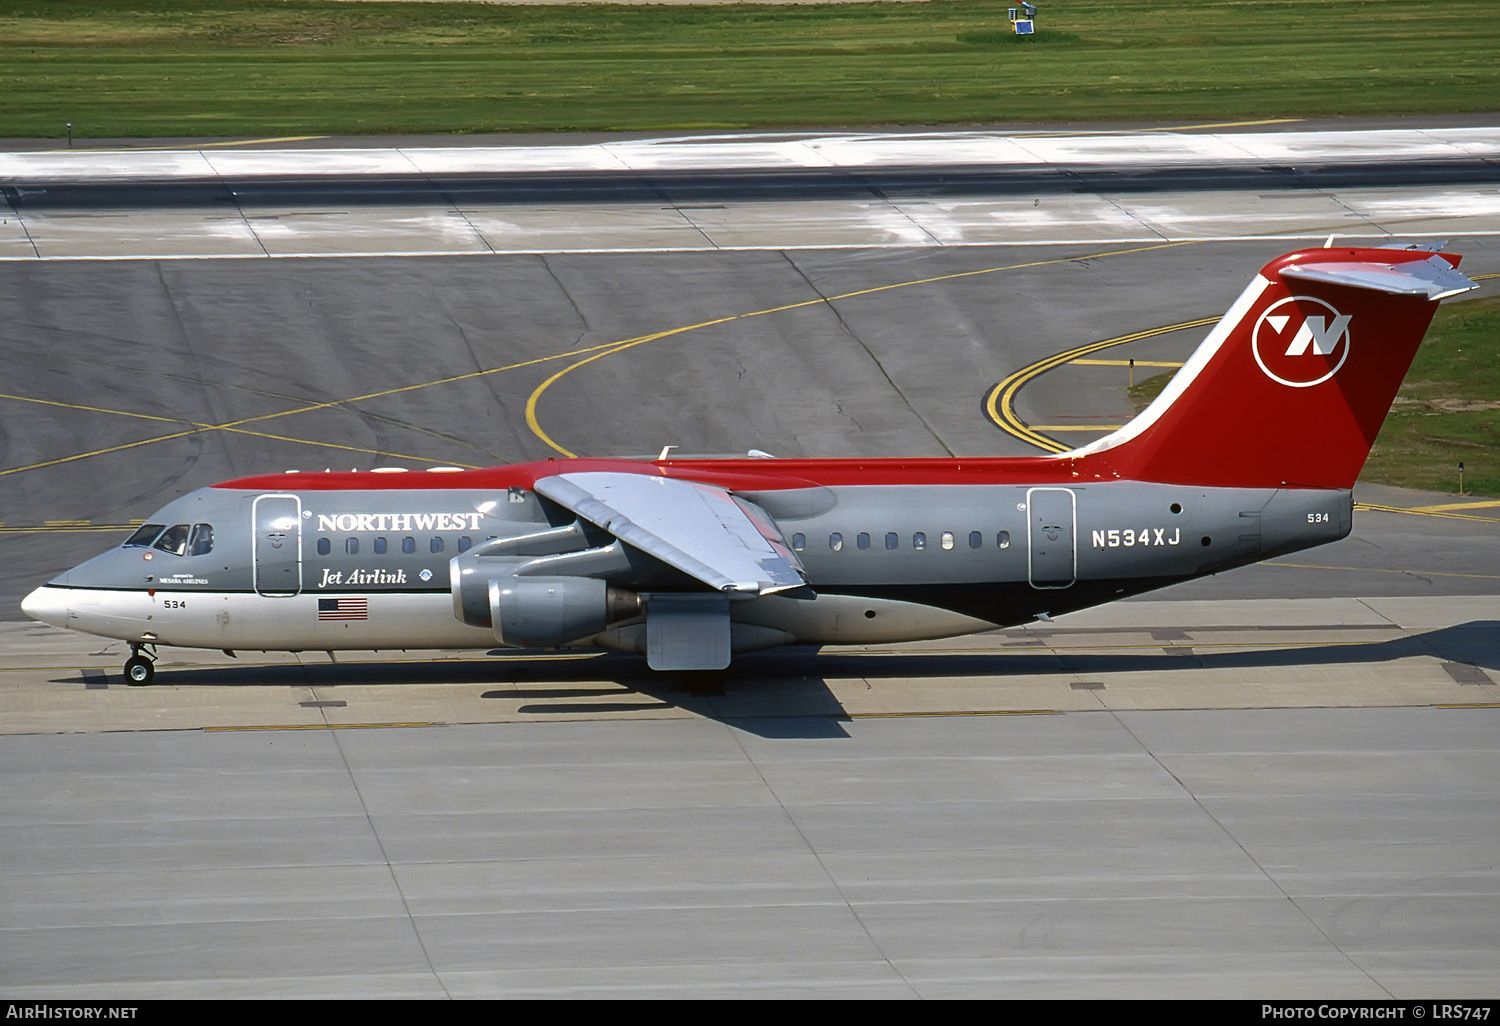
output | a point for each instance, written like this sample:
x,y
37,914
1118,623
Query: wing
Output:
x,y
702,530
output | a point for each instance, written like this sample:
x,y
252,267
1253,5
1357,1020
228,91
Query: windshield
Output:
x,y
174,540
144,535
203,540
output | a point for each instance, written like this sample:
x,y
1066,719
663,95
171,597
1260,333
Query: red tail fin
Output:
x,y
1292,385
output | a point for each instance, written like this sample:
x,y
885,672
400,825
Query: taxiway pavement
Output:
x,y
1323,853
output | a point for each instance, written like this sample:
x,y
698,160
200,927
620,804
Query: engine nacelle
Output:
x,y
470,580
544,612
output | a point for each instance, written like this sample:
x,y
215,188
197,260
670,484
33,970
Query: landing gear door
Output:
x,y
1053,558
276,521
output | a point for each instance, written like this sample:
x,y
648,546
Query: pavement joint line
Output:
x,y
935,714
322,726
731,716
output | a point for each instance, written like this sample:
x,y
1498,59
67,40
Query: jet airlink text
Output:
x,y
399,521
362,577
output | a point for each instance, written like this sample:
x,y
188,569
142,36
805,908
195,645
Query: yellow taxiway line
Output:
x,y
1449,506
999,402
1426,511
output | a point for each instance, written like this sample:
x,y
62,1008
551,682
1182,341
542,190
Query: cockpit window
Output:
x,y
144,535
203,540
174,540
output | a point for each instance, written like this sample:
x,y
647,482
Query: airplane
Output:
x,y
1250,452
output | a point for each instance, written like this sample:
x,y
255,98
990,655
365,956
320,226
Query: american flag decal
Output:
x,y
343,609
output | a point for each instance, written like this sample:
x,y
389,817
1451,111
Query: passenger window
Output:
x,y
919,540
436,545
379,546
835,541
145,535
1003,539
862,539
174,539
946,541
351,546
408,545
799,542
976,539
891,540
464,543
203,540
324,546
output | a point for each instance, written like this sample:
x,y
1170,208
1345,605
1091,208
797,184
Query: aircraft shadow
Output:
x,y
784,693
1475,644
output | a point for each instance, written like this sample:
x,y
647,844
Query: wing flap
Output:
x,y
702,530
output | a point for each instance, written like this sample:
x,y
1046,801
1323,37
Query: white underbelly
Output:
x,y
258,622
404,621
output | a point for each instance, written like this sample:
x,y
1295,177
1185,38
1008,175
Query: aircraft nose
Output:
x,y
49,605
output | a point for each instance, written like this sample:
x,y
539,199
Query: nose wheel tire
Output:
x,y
139,671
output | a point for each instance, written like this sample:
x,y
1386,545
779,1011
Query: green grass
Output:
x,y
1446,412
1449,408
264,68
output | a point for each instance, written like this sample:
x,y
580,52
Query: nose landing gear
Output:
x,y
140,668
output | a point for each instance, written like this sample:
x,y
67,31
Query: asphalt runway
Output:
x,y
1254,785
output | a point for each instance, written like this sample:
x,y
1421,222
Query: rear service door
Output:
x,y
1053,557
276,521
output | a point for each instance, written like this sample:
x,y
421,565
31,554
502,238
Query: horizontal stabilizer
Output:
x,y
699,529
1433,277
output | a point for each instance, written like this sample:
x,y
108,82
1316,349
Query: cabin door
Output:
x,y
1053,559
276,521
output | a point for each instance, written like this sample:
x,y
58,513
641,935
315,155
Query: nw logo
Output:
x,y
1297,347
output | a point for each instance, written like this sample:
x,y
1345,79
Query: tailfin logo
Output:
x,y
1301,341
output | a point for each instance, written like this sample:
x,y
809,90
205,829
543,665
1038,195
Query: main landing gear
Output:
x,y
140,668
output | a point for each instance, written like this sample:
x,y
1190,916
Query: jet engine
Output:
x,y
531,600
543,612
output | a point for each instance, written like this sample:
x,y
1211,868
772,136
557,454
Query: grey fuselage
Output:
x,y
387,568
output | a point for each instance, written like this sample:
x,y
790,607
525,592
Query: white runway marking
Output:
x,y
766,151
